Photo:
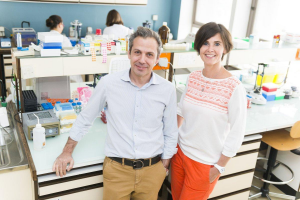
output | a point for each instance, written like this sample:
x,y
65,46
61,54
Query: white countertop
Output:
x,y
90,150
274,115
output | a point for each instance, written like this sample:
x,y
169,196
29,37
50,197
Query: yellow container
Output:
x,y
66,126
279,78
268,78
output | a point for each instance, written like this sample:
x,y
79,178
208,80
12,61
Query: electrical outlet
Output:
x,y
27,72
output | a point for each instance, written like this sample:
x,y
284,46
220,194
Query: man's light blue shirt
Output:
x,y
141,122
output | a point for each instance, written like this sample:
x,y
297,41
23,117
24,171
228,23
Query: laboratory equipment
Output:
x,y
147,24
269,96
5,43
190,38
89,30
86,45
19,41
47,119
296,92
49,37
164,32
257,97
39,136
118,48
30,100
257,86
76,26
2,31
28,36
79,107
47,106
279,95
52,45
74,106
98,31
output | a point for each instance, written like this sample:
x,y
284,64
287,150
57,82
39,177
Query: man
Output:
x,y
141,124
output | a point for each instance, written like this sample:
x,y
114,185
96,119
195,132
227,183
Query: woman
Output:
x,y
115,25
211,117
56,25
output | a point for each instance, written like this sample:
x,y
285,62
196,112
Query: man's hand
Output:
x,y
65,158
60,164
166,163
213,174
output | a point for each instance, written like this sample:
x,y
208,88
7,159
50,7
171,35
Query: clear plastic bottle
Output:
x,y
39,136
19,41
118,48
164,32
74,107
79,107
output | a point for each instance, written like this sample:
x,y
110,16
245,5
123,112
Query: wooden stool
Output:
x,y
278,140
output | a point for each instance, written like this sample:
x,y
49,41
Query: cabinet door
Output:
x,y
232,184
98,1
137,2
94,194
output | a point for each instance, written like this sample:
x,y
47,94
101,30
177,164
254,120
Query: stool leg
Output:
x,y
267,175
268,197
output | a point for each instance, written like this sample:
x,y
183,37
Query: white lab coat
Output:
x,y
67,43
118,30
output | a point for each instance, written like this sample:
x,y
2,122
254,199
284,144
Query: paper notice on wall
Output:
x,y
186,59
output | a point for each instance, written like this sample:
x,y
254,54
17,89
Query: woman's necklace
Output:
x,y
210,79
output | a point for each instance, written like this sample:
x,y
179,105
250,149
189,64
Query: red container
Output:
x,y
269,89
98,31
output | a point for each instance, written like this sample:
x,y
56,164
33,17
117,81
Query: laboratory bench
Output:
x,y
86,178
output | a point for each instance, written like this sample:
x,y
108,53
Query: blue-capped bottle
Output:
x,y
79,107
19,41
74,107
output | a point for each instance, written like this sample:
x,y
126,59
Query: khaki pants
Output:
x,y
122,182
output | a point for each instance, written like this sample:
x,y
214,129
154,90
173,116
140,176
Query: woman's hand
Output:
x,y
213,174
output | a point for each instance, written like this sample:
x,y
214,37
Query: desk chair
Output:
x,y
118,64
278,140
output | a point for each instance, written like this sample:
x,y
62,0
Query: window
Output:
x,y
218,11
274,17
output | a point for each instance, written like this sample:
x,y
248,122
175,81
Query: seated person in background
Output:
x,y
115,25
56,25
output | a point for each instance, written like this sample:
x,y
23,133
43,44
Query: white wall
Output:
x,y
186,18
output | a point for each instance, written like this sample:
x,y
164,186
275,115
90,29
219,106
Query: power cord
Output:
x,y
165,62
16,119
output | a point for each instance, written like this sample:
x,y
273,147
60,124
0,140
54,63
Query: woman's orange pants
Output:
x,y
190,179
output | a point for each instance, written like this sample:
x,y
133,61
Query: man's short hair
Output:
x,y
209,30
145,33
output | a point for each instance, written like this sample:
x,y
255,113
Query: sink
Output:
x,y
12,156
